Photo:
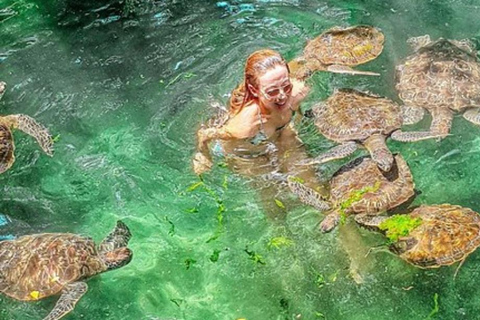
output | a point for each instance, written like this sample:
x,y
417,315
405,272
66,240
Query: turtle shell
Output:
x,y
346,46
448,234
6,148
442,74
37,266
353,115
389,189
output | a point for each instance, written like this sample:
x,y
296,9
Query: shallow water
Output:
x,y
125,94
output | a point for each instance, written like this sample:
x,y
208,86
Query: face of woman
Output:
x,y
275,89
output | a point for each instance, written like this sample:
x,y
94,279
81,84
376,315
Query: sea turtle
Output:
x,y
36,266
359,187
338,49
442,77
350,117
26,124
445,234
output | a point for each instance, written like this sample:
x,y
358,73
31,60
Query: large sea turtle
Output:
x,y
338,49
36,266
442,77
360,187
26,124
444,234
351,117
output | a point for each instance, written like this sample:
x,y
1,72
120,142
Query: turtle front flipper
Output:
x,y
473,115
31,127
439,129
7,147
338,152
337,68
412,115
69,298
379,151
330,221
3,86
369,221
308,195
118,238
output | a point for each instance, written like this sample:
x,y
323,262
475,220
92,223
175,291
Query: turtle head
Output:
x,y
384,162
117,258
113,249
403,245
419,42
298,68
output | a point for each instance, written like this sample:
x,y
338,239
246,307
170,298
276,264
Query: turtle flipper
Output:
x,y
330,222
308,195
414,136
371,221
118,238
472,115
3,86
31,127
439,129
69,298
336,68
338,152
412,115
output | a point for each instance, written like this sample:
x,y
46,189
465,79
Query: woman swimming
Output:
x,y
261,109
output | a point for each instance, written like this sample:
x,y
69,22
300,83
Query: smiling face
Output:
x,y
274,89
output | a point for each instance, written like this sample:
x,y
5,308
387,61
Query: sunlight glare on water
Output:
x,y
126,85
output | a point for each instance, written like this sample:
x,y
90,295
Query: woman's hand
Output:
x,y
201,163
299,92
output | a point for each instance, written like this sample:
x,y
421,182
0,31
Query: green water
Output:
x,y
127,85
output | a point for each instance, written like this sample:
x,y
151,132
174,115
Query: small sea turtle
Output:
x,y
360,187
445,234
338,49
350,117
36,266
26,124
441,77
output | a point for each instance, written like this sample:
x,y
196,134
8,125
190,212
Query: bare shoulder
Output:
x,y
245,123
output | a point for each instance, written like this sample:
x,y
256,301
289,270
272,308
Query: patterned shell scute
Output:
x,y
448,234
440,75
61,259
346,46
389,190
6,148
353,115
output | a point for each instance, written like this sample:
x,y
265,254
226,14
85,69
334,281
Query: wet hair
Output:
x,y
258,63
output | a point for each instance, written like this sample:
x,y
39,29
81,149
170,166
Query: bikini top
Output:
x,y
261,136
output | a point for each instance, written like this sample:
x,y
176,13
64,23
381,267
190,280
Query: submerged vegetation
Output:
x,y
355,196
399,226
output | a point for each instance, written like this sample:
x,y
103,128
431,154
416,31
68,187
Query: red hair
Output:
x,y
257,64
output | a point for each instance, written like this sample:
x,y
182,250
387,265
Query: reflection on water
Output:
x,y
126,84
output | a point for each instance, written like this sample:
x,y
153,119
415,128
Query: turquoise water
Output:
x,y
125,86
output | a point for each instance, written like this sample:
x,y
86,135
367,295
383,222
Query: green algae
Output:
x,y
279,242
355,196
399,226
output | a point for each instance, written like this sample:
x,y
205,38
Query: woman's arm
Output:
x,y
202,161
242,126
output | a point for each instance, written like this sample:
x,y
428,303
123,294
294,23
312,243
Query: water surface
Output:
x,y
125,86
